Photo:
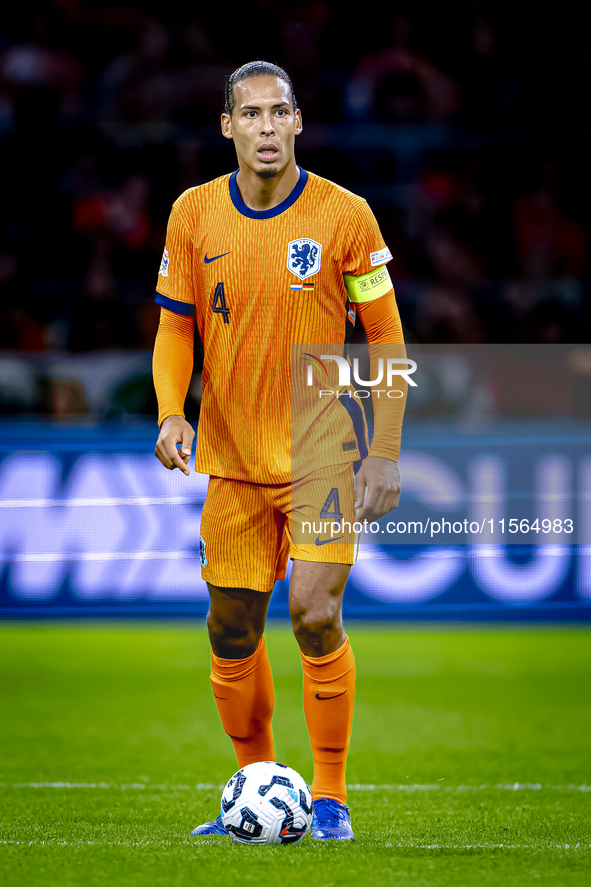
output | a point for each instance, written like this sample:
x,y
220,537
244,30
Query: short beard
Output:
x,y
267,173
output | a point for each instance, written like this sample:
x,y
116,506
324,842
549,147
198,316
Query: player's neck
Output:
x,y
261,194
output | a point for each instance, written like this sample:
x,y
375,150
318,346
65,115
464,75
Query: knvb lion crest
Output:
x,y
303,257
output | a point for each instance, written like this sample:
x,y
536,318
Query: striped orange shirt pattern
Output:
x,y
258,284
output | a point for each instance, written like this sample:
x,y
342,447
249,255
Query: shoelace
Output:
x,y
329,808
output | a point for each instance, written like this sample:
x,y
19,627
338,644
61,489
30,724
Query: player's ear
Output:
x,y
298,122
226,122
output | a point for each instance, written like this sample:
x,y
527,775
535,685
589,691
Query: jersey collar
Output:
x,y
266,213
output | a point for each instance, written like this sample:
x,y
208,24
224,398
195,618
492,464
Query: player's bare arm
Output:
x,y
174,444
377,488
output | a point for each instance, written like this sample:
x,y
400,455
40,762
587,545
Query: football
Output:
x,y
267,803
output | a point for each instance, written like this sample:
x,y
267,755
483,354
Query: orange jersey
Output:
x,y
259,283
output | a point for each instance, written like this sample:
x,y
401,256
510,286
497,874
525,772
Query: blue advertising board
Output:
x,y
91,524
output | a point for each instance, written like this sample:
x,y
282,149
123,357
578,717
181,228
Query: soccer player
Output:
x,y
262,260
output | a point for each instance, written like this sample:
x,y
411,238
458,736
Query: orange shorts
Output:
x,y
248,531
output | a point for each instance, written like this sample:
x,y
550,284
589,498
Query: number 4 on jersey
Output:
x,y
219,303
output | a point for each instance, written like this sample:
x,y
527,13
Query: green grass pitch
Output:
x,y
469,761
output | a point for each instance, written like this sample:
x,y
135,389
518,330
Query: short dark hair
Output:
x,y
255,69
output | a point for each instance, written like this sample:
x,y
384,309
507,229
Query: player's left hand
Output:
x,y
377,488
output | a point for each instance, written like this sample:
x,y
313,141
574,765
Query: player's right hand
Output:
x,y
175,431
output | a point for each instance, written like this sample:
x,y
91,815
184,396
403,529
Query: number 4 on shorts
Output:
x,y
219,303
332,502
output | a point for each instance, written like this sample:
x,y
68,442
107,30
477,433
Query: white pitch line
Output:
x,y
398,846
370,787
39,843
509,786
490,846
201,786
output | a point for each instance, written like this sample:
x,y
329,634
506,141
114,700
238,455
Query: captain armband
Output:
x,y
370,286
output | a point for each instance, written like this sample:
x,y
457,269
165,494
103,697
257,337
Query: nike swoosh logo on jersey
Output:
x,y
322,698
326,541
213,258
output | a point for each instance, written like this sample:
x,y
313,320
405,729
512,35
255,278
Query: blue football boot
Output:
x,y
211,828
331,819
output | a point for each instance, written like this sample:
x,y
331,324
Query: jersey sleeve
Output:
x,y
385,340
365,273
172,364
174,289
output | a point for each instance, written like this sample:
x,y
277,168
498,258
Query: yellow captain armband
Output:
x,y
370,286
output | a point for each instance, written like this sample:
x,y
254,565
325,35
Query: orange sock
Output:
x,y
329,691
245,697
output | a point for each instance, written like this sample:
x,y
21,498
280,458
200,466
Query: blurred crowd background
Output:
x,y
465,125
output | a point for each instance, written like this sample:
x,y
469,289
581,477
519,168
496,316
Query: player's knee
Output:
x,y
312,628
231,639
